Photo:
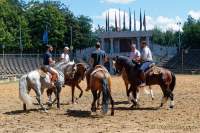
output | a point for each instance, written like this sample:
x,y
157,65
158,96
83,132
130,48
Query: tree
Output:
x,y
191,33
42,16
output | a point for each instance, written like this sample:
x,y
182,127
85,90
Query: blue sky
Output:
x,y
160,13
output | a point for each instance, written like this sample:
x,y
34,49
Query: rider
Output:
x,y
135,54
48,62
64,56
97,58
146,62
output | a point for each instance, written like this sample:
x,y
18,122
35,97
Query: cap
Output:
x,y
133,45
67,48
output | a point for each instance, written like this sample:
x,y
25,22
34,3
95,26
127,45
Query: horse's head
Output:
x,y
118,64
70,70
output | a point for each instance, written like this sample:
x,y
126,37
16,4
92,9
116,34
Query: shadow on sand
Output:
x,y
140,108
78,113
121,102
17,112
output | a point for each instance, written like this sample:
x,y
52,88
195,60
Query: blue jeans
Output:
x,y
145,66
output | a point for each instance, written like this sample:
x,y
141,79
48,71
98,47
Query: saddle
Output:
x,y
154,70
99,68
42,73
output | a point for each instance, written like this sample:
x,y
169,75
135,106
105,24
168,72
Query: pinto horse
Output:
x,y
100,81
36,80
126,82
161,76
72,81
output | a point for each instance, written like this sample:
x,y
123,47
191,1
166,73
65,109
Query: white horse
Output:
x,y
36,80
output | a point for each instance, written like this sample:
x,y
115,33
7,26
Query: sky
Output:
x,y
163,14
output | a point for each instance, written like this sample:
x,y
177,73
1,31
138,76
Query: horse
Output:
x,y
100,81
154,76
126,82
36,80
62,68
73,81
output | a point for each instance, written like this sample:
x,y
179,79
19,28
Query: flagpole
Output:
x,y
130,23
140,20
134,22
119,20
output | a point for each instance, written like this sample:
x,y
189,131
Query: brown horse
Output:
x,y
126,82
73,82
154,76
100,81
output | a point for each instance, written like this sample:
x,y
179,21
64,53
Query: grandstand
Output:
x,y
185,62
15,65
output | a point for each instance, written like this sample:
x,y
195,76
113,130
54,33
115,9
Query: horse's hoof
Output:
x,y
45,110
171,107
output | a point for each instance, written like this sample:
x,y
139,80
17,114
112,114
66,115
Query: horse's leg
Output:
x,y
58,90
133,89
112,104
165,95
73,88
24,105
98,101
49,94
151,93
39,98
95,97
171,100
80,95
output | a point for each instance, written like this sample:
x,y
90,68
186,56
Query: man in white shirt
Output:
x,y
135,54
64,55
146,62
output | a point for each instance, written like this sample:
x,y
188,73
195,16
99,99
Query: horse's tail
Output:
x,y
23,94
106,94
173,83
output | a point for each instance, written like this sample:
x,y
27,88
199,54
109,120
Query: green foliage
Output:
x,y
167,38
34,17
191,34
190,37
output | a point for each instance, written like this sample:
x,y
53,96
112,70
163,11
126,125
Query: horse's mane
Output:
x,y
61,64
125,60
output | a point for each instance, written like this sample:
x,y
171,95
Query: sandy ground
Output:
x,y
185,117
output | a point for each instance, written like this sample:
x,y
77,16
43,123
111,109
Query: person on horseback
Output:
x,y
98,57
64,56
135,54
146,62
48,62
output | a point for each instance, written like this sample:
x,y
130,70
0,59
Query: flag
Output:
x,y
144,22
124,23
140,20
45,36
119,20
130,21
116,22
134,22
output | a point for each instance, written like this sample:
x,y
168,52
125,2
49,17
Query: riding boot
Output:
x,y
143,79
